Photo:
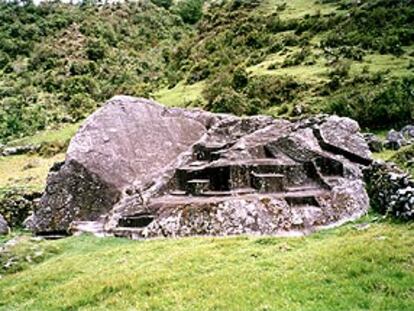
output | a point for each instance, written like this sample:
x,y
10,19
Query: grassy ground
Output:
x,y
181,95
341,269
29,171
297,8
48,136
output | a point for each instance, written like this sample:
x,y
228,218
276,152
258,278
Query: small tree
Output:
x,y
163,3
95,49
190,11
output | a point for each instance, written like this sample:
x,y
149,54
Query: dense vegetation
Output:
x,y
404,158
58,62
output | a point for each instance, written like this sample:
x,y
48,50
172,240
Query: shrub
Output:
x,y
297,58
272,90
237,4
240,78
16,204
4,59
80,84
229,101
44,58
377,106
403,158
198,72
190,11
217,86
95,50
163,3
80,105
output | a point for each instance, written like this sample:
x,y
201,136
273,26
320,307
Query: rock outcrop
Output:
x,y
395,140
138,169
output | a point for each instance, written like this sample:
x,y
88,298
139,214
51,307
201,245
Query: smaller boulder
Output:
x,y
395,140
408,132
4,227
374,143
18,150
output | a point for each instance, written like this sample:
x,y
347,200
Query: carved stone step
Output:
x,y
235,192
197,163
267,182
303,188
208,152
178,192
197,186
301,201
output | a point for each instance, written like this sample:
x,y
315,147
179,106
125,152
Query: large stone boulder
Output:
x,y
124,145
138,169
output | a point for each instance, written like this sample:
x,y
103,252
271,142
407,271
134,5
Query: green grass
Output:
x,y
384,155
28,171
340,269
399,66
298,8
315,73
48,136
181,95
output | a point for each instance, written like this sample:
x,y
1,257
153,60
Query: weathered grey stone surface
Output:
x,y
395,140
9,151
408,132
131,139
138,169
4,227
343,133
123,146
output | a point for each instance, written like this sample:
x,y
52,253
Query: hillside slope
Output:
x,y
58,62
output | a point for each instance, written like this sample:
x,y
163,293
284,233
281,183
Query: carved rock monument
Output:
x,y
138,169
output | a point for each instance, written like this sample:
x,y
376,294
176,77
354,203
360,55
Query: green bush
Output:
x,y
240,78
381,25
190,11
16,204
377,106
95,49
229,101
79,106
274,91
166,4
297,58
199,72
